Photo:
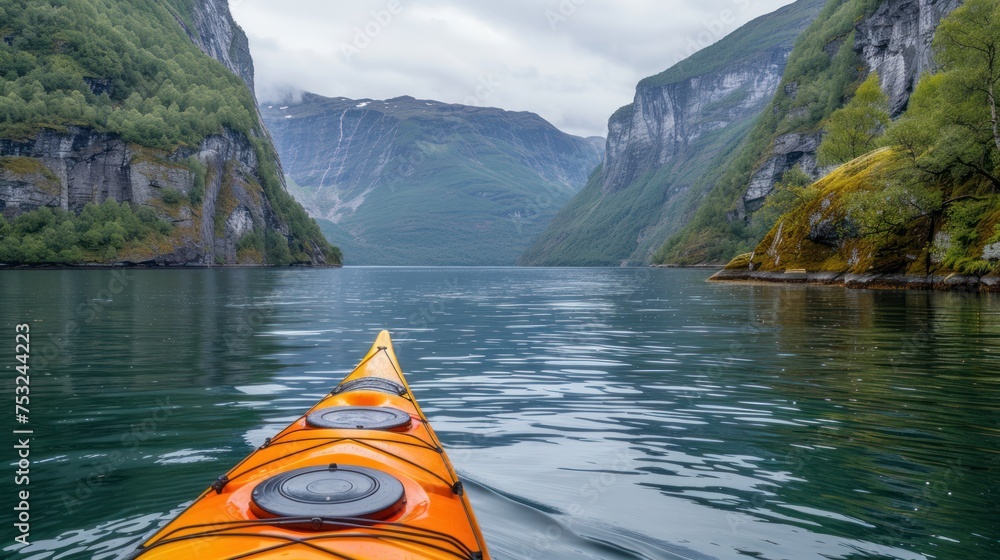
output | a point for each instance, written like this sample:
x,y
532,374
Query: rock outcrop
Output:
x,y
896,42
787,151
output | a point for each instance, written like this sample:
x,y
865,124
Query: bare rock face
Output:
x,y
664,120
896,42
69,170
217,35
787,151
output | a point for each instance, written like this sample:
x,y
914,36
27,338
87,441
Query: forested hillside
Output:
x,y
88,78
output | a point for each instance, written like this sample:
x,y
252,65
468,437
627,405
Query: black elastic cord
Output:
x,y
410,534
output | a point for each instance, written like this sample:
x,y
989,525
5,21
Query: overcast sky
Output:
x,y
571,61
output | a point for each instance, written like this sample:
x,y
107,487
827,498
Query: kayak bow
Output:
x,y
361,475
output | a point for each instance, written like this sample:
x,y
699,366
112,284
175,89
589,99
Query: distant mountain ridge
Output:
x,y
417,182
682,123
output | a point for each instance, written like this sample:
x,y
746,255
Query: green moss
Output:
x,y
22,165
740,262
46,180
787,245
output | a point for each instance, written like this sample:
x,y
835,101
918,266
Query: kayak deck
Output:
x,y
361,475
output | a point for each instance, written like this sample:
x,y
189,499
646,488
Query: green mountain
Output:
x,y
848,40
414,182
924,209
682,124
129,134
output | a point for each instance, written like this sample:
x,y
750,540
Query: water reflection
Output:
x,y
596,413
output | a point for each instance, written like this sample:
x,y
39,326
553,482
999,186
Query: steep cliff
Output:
x,y
414,182
896,41
212,28
680,122
892,37
92,114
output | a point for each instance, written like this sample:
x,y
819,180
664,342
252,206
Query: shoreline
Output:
x,y
950,283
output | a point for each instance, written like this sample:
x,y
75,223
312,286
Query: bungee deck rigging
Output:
x,y
361,475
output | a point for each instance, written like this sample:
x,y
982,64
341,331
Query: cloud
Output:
x,y
571,61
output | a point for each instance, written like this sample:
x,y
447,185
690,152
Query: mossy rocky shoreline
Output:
x,y
867,281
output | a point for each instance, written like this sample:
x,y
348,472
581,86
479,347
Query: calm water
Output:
x,y
614,414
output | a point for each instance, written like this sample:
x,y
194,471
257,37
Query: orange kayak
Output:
x,y
359,476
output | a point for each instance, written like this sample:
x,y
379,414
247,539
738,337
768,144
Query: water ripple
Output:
x,y
615,414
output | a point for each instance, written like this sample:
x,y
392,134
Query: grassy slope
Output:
x,y
824,82
164,91
787,245
762,34
607,229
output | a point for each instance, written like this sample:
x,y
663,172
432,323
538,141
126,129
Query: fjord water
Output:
x,y
595,413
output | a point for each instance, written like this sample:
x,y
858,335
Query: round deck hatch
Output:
x,y
359,418
332,492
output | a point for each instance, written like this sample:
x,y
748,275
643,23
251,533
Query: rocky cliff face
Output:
x,y
407,181
895,40
218,36
81,166
787,151
658,147
665,121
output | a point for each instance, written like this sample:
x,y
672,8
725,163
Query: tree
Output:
x,y
947,144
888,211
951,128
795,189
854,130
968,46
